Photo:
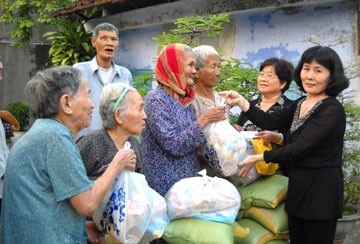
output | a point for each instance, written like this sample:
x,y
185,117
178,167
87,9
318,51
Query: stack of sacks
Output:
x,y
262,210
203,210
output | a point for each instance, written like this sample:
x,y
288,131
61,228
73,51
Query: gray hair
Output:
x,y
202,53
46,88
106,27
108,98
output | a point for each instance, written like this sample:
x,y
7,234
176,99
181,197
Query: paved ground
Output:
x,y
354,236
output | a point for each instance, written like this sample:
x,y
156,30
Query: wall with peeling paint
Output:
x,y
255,35
259,29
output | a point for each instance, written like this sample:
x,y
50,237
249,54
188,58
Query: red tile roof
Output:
x,y
81,5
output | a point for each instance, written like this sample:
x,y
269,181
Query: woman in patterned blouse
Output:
x,y
173,134
313,145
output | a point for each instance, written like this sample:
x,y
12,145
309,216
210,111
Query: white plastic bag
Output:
x,y
229,145
253,174
159,218
209,198
128,208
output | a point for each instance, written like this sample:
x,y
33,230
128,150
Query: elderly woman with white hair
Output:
x,y
44,168
123,117
207,77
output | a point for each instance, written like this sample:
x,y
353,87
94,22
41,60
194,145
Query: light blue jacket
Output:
x,y
90,71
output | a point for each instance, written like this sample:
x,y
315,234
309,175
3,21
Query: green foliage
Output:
x,y
238,76
71,45
23,15
349,209
143,83
21,111
189,29
351,153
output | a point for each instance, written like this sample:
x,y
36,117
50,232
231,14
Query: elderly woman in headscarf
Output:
x,y
173,134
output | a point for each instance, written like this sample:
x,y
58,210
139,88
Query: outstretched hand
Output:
x,y
232,97
270,137
248,163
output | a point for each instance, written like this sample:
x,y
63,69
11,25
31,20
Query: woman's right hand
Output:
x,y
212,115
233,98
125,159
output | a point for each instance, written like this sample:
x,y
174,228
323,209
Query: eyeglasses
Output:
x,y
267,76
122,94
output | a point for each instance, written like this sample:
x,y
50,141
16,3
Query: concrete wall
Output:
x,y
20,64
278,29
252,36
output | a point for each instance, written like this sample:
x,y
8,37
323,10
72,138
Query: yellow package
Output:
x,y
262,167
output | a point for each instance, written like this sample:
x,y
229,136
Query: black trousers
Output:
x,y
311,231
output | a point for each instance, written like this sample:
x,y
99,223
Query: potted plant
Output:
x,y
22,112
351,169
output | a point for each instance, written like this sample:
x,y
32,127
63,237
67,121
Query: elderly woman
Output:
x,y
206,78
173,134
123,116
45,170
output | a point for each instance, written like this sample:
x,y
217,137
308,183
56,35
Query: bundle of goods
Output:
x,y
262,210
229,145
132,212
203,210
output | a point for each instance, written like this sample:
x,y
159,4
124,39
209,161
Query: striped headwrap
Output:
x,y
169,71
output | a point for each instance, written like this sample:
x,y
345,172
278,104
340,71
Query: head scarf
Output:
x,y
169,71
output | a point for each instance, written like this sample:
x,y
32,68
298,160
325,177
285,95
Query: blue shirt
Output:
x,y
44,170
170,141
90,72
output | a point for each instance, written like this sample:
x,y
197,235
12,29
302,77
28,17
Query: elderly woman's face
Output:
x,y
268,82
82,106
189,68
134,119
210,74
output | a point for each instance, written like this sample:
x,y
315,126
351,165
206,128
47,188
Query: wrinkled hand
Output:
x,y
212,115
126,159
248,163
94,235
269,136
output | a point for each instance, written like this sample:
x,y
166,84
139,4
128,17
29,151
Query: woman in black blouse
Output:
x,y
273,80
313,146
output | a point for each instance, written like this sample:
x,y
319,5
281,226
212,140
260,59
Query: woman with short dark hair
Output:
x,y
313,146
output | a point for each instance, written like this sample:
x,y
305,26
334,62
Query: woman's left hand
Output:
x,y
248,163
